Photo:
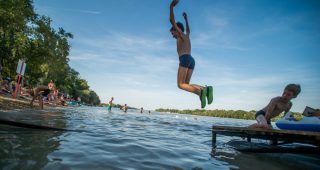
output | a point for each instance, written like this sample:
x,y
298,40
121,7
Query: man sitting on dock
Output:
x,y
276,106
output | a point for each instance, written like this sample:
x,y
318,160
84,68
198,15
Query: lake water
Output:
x,y
118,140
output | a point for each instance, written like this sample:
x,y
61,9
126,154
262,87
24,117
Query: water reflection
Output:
x,y
27,148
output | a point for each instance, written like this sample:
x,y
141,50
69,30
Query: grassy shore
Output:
x,y
236,114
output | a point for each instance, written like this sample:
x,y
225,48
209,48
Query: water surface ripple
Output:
x,y
117,140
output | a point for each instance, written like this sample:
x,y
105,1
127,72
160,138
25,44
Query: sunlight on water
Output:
x,y
117,140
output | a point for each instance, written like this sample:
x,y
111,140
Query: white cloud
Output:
x,y
217,34
146,54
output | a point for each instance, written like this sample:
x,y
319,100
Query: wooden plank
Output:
x,y
261,130
9,103
269,134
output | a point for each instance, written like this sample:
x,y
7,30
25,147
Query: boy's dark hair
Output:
x,y
294,88
180,25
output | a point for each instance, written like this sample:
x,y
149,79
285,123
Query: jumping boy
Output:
x,y
187,62
276,106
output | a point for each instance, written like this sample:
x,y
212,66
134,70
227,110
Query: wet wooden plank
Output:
x,y
268,134
8,103
262,131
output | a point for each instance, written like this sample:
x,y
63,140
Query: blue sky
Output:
x,y
248,50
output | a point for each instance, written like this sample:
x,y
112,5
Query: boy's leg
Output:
x,y
262,121
208,88
33,98
183,84
184,76
31,103
256,125
188,78
40,101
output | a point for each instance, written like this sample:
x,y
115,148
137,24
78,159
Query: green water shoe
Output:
x,y
209,94
203,95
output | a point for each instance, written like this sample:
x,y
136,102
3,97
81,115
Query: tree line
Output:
x,y
236,114
29,36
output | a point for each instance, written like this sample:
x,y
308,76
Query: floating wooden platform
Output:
x,y
287,136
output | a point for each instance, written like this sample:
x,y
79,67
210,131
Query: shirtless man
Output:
x,y
125,108
41,91
110,104
276,106
187,62
50,84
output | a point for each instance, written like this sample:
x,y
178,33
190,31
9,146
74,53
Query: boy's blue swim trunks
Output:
x,y
187,61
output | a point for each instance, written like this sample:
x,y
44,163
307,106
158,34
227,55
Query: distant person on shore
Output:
x,y
110,104
79,100
125,108
187,63
51,84
4,83
63,100
276,106
0,73
25,91
5,86
39,93
141,110
13,84
55,95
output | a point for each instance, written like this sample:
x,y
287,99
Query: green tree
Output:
x,y
27,35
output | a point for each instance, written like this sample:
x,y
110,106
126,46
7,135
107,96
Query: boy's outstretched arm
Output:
x,y
187,23
172,5
172,20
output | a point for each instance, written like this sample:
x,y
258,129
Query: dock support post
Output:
x,y
249,139
214,140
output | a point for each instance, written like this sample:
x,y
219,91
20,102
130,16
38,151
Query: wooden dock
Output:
x,y
9,103
288,136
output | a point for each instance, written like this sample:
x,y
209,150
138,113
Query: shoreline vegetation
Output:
x,y
235,114
119,106
29,36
